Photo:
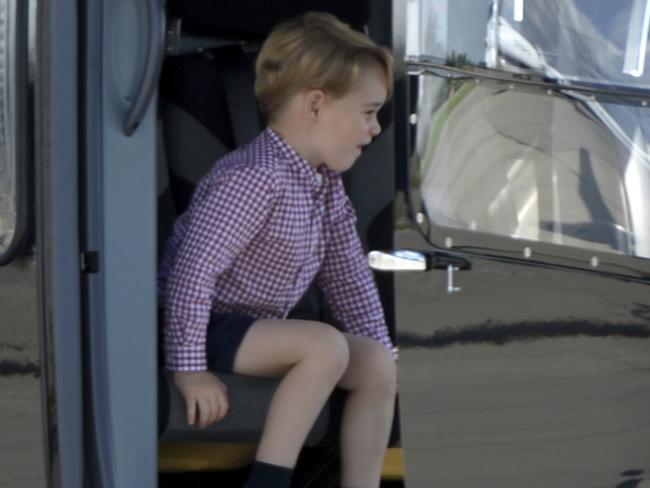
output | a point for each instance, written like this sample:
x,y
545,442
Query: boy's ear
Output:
x,y
315,100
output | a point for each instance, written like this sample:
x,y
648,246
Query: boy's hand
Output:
x,y
204,393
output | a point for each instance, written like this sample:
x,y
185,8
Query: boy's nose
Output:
x,y
375,128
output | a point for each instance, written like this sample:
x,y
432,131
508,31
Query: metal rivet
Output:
x,y
644,103
413,119
420,218
511,86
595,261
549,92
449,242
528,252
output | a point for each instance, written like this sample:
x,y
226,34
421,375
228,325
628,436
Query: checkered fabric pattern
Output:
x,y
260,227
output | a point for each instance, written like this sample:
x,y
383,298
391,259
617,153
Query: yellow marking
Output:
x,y
393,464
204,456
178,457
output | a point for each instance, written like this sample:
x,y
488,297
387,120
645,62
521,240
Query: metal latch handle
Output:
x,y
450,279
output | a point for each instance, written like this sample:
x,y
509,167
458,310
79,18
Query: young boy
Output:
x,y
268,219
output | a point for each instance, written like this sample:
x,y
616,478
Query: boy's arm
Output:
x,y
227,214
346,280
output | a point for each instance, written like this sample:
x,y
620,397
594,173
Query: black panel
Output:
x,y
254,19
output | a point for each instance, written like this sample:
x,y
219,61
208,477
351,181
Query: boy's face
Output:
x,y
348,123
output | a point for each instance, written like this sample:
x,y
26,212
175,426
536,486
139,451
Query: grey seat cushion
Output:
x,y
249,399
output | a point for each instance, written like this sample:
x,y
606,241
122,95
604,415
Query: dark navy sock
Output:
x,y
265,475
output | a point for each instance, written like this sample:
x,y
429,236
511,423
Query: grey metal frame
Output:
x,y
119,242
57,237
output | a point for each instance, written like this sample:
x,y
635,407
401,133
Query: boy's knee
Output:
x,y
329,349
336,351
382,370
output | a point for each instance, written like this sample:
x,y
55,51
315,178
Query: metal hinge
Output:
x,y
89,262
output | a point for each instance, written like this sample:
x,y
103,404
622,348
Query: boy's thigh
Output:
x,y
272,346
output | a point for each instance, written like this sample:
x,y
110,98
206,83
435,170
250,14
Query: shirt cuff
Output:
x,y
186,358
385,340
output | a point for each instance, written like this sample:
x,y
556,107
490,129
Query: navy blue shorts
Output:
x,y
226,332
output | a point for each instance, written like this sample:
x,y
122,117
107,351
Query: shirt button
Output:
x,y
319,178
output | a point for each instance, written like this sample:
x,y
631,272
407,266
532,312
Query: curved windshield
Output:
x,y
7,162
595,42
13,83
524,162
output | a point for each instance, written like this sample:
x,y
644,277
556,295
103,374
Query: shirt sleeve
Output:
x,y
225,215
345,277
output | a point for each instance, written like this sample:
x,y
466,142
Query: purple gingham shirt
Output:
x,y
262,224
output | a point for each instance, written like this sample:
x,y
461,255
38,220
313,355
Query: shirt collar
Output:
x,y
287,153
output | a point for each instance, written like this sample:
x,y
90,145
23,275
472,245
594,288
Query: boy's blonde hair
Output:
x,y
314,51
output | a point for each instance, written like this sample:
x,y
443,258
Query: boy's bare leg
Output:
x,y
312,357
371,381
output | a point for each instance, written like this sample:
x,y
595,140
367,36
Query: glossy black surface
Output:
x,y
21,418
526,377
536,372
